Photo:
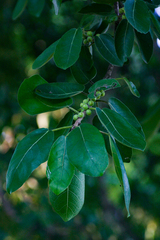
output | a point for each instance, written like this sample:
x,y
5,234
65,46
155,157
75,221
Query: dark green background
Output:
x,y
26,213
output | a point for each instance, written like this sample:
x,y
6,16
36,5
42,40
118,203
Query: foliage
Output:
x,y
82,149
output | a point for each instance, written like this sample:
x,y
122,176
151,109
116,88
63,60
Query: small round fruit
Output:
x,y
75,117
102,93
81,105
85,41
81,114
90,103
88,112
89,34
94,99
98,93
85,101
89,39
85,106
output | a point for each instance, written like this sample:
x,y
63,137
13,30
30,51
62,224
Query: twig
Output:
x,y
109,71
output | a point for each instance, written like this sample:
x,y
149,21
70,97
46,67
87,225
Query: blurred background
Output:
x,y
26,213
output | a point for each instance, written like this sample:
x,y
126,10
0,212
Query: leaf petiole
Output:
x,y
57,129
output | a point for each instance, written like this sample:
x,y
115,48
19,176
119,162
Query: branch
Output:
x,y
109,71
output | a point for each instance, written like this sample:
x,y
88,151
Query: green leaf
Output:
x,y
137,15
83,70
145,44
29,154
32,103
155,24
57,4
121,173
132,87
35,7
106,47
121,129
154,144
66,121
97,9
105,1
126,152
68,48
91,22
58,90
69,203
104,84
45,56
119,107
86,150
19,8
59,169
124,39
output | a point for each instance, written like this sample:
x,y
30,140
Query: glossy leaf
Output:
x,y
57,4
97,9
59,169
83,70
155,24
126,152
45,56
124,39
29,154
35,7
68,48
32,103
119,107
121,173
86,150
69,203
58,90
137,15
132,87
154,144
19,8
121,129
66,121
91,22
104,84
106,47
145,44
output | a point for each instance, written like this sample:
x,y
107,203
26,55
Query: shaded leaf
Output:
x,y
121,129
68,48
137,15
32,103
104,84
59,169
97,9
119,107
45,56
132,87
69,203
155,24
19,8
35,7
91,22
124,39
106,47
58,90
121,173
30,152
145,44
86,150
